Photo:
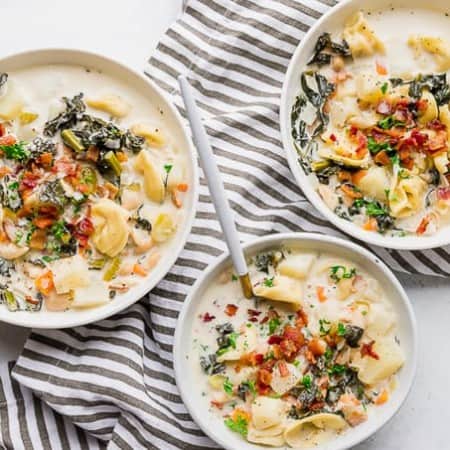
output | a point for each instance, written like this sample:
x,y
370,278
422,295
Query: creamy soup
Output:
x,y
371,124
91,189
305,366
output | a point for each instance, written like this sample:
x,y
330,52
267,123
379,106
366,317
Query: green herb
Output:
x,y
234,277
273,324
167,169
341,329
374,209
395,159
324,327
18,237
375,147
268,282
239,425
390,122
270,355
328,354
296,363
14,185
228,386
337,273
403,174
16,151
307,381
250,386
384,88
337,369
232,337
60,232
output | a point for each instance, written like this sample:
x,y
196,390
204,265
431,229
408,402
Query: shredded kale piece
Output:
x,y
40,145
263,261
210,365
75,108
3,79
324,42
9,195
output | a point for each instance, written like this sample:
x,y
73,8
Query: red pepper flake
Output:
x,y
367,350
230,310
333,137
207,317
283,368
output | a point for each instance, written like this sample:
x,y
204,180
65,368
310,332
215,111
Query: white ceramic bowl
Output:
x,y
407,332
334,20
175,127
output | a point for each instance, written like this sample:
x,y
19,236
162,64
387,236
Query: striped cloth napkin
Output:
x,y
111,383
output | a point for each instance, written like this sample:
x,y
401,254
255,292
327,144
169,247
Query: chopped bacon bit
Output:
x,y
274,339
85,226
93,154
382,158
264,319
29,181
2,129
253,312
294,334
43,222
183,187
316,405
30,299
367,350
384,107
253,319
121,156
310,356
230,310
252,359
218,405
320,291
289,349
175,199
421,104
317,346
276,350
302,318
38,239
381,68
423,224
438,142
283,368
333,137
350,191
437,125
443,193
344,175
4,170
45,159
44,283
65,167
8,140
207,317
264,376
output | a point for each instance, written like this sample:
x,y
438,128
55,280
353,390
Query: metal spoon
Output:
x,y
216,188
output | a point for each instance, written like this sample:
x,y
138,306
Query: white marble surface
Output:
x,y
129,33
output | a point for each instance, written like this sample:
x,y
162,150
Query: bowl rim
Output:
x,y
392,242
178,357
16,318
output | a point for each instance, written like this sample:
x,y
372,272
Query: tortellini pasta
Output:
x,y
111,228
297,266
267,412
94,294
283,289
371,370
361,39
375,183
282,384
432,111
153,135
309,428
111,104
70,273
245,343
407,197
436,46
272,436
153,181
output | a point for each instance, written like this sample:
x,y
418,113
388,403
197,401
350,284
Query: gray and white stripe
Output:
x,y
113,381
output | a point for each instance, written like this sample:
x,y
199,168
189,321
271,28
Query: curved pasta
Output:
x,y
375,183
272,436
361,38
152,135
306,430
407,197
95,294
163,227
111,104
110,227
342,152
69,273
282,384
371,370
11,102
341,111
431,112
380,320
297,266
245,343
441,162
267,412
435,46
284,289
153,181
368,88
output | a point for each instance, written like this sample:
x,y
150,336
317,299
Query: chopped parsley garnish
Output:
x,y
390,122
250,386
16,151
238,425
268,281
341,329
60,232
375,209
273,324
337,369
328,354
14,185
228,386
375,147
384,87
324,327
337,273
232,339
167,169
296,363
395,159
307,381
234,277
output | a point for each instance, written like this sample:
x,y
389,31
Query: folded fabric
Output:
x,y
113,379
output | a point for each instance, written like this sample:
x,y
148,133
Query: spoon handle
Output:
x,y
215,184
